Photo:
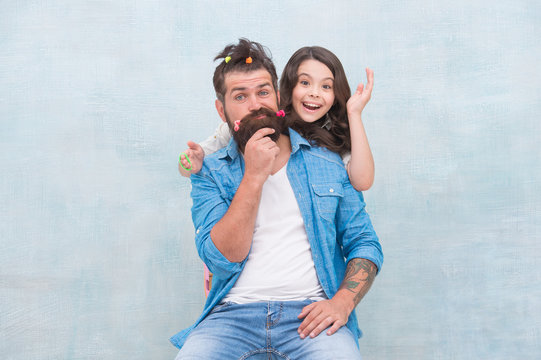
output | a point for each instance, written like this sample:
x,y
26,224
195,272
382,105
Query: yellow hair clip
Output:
x,y
227,58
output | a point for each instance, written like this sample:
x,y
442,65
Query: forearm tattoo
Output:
x,y
360,274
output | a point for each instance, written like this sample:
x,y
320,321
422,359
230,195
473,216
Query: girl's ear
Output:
x,y
221,109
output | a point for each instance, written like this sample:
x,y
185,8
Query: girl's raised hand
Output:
x,y
360,98
196,155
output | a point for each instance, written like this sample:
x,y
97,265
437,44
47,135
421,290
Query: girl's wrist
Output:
x,y
354,117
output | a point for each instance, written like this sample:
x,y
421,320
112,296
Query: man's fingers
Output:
x,y
306,310
334,328
270,144
264,143
260,140
319,316
323,324
310,321
265,140
311,329
261,133
308,318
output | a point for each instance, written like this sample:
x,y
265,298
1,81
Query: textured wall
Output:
x,y
97,98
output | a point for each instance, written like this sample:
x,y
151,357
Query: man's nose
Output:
x,y
253,103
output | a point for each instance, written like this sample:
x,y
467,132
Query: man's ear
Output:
x,y
221,109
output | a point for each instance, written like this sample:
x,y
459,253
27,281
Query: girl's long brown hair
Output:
x,y
337,138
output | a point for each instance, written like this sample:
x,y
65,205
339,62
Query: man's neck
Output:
x,y
284,143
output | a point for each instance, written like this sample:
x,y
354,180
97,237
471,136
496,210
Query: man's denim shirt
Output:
x,y
337,225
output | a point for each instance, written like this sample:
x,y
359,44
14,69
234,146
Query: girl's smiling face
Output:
x,y
313,95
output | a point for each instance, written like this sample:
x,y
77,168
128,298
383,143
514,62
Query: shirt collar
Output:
x,y
297,141
231,150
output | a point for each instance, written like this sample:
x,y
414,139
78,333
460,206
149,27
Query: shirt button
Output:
x,y
197,232
331,190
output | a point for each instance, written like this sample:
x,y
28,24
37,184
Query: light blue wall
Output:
x,y
97,98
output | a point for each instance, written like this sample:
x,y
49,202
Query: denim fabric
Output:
x,y
337,225
266,330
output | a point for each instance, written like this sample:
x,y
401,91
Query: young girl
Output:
x,y
315,95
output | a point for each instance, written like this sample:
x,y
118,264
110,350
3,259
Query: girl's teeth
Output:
x,y
312,106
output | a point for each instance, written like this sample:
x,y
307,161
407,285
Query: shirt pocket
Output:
x,y
327,197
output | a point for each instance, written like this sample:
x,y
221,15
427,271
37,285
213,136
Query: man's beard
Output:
x,y
250,124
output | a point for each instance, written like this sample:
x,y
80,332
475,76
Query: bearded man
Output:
x,y
279,225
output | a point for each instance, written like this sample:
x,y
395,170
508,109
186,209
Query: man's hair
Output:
x,y
337,138
234,59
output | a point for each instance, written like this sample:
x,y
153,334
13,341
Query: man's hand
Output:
x,y
196,154
360,98
320,315
259,155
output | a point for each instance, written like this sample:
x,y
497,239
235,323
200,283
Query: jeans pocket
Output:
x,y
220,307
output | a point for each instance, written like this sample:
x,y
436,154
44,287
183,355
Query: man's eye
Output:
x,y
239,97
263,93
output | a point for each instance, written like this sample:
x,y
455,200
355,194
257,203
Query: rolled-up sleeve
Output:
x,y
354,228
209,206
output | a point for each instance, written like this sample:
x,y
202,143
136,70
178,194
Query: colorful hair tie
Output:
x,y
281,113
227,58
248,60
187,159
237,124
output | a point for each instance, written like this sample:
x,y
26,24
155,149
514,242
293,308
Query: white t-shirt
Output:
x,y
280,265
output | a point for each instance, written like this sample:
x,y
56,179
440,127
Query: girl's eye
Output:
x,y
327,87
303,82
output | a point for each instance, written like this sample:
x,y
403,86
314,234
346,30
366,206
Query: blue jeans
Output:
x,y
264,330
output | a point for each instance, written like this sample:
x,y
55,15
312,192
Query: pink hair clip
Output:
x,y
281,113
237,124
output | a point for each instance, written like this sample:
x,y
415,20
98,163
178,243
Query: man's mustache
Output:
x,y
254,118
256,113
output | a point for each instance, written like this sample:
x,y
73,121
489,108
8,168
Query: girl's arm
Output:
x,y
218,140
196,152
361,165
